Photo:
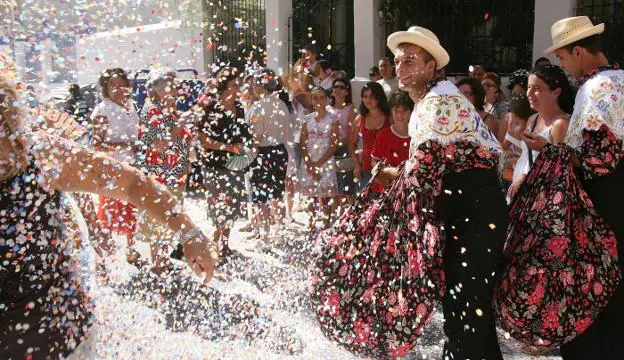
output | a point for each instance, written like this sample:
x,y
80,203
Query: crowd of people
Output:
x,y
265,145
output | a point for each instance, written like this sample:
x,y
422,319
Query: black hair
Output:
x,y
273,84
541,60
477,90
374,70
593,44
519,105
74,90
518,77
555,78
401,98
348,97
379,94
311,48
108,75
324,65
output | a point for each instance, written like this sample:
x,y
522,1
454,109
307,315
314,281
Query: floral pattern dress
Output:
x,y
378,274
172,165
562,259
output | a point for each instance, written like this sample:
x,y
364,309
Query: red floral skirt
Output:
x,y
117,216
379,273
561,257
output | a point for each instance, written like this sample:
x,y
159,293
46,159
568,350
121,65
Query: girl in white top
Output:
x,y
319,141
116,126
551,95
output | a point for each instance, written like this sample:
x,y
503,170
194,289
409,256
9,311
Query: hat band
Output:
x,y
574,29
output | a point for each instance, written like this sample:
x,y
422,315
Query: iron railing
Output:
x,y
611,12
329,25
239,33
495,34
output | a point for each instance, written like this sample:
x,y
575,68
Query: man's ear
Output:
x,y
432,66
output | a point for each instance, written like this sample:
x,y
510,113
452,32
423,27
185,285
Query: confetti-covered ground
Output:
x,y
255,308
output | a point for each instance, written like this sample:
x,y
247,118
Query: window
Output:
x,y
495,34
611,12
238,37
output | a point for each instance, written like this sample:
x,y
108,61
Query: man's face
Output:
x,y
385,67
412,71
570,61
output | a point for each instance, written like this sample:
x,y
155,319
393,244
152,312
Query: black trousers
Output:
x,y
604,339
474,214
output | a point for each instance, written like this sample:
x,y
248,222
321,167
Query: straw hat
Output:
x,y
422,37
570,30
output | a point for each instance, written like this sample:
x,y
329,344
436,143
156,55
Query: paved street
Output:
x,y
255,308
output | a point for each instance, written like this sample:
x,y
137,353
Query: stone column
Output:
x,y
277,31
369,42
546,14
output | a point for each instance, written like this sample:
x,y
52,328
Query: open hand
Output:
x,y
200,257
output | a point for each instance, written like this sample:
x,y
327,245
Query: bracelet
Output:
x,y
189,235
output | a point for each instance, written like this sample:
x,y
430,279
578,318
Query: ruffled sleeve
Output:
x,y
600,152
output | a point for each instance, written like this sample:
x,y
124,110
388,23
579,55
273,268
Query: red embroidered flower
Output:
x,y
598,288
538,294
390,243
463,114
610,242
422,311
333,301
362,331
551,320
581,325
558,198
401,351
558,245
443,120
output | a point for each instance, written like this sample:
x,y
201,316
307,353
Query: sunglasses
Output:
x,y
340,87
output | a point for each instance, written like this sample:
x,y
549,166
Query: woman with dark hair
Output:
x,y
374,116
551,95
115,132
223,134
344,109
475,93
270,119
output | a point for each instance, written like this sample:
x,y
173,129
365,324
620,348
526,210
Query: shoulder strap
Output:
x,y
533,124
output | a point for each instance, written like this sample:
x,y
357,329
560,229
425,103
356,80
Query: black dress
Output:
x,y
44,312
225,189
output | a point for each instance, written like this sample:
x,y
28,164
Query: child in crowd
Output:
x,y
392,143
319,141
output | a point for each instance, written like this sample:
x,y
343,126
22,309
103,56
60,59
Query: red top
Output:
x,y
368,142
392,147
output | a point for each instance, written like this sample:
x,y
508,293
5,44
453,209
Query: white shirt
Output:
x,y
598,102
389,85
123,126
270,120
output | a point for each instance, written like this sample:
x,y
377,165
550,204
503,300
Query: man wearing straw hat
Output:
x,y
596,131
454,157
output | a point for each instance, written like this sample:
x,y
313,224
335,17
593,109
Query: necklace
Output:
x,y
595,72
